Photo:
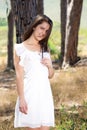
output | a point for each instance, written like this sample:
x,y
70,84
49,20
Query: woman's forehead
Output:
x,y
45,24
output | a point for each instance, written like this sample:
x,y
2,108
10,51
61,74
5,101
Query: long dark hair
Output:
x,y
35,22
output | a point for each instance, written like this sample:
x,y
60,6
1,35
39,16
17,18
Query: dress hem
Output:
x,y
36,126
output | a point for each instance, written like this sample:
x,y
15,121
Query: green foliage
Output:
x,y
56,36
52,47
85,103
54,41
3,40
72,119
83,36
3,21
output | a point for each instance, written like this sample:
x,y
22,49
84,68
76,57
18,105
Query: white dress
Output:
x,y
37,90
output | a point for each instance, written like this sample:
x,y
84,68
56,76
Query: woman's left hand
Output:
x,y
46,62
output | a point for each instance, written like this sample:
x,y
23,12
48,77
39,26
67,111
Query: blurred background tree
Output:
x,y
70,24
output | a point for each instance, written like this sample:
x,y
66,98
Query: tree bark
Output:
x,y
40,7
63,26
73,15
24,11
10,41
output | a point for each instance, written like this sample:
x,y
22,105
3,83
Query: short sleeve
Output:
x,y
47,55
20,52
19,49
21,62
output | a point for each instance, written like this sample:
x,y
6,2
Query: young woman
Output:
x,y
34,108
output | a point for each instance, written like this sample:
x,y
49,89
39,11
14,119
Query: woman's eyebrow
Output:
x,y
44,28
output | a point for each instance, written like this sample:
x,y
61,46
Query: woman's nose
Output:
x,y
44,32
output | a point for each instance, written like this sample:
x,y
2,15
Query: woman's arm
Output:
x,y
47,62
20,84
51,71
19,76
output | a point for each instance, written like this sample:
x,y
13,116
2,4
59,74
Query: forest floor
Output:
x,y
69,89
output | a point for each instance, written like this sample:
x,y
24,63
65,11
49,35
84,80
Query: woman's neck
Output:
x,y
32,41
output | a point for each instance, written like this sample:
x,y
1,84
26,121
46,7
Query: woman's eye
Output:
x,y
42,28
47,31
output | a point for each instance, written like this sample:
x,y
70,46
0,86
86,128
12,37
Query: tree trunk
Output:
x,y
24,11
10,42
40,7
73,12
63,26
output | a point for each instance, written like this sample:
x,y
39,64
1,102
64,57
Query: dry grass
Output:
x,y
82,50
70,86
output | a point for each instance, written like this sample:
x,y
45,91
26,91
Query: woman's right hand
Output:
x,y
23,106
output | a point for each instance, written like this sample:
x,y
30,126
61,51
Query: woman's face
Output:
x,y
40,31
